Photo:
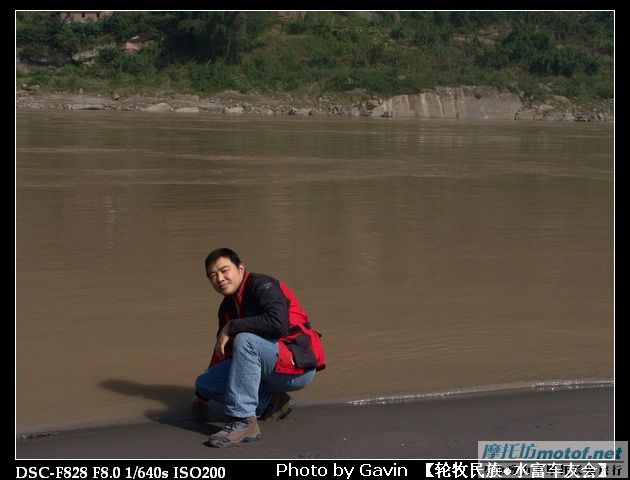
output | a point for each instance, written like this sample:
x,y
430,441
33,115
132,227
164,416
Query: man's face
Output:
x,y
224,276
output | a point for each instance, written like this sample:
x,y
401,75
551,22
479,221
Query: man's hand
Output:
x,y
222,340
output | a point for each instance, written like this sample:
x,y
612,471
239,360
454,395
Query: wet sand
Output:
x,y
439,429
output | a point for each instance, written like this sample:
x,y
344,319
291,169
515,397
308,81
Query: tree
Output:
x,y
205,36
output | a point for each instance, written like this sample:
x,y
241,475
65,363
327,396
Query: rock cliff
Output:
x,y
453,102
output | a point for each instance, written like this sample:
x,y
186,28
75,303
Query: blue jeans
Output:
x,y
246,382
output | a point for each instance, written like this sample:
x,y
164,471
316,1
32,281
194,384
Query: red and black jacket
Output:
x,y
266,307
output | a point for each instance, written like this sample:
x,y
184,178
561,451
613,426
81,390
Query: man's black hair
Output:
x,y
214,255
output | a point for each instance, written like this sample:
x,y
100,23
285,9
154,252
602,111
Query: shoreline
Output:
x,y
445,428
458,103
184,413
228,102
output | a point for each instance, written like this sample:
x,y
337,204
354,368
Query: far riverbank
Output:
x,y
483,103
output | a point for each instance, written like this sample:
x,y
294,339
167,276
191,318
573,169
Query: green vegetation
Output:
x,y
540,53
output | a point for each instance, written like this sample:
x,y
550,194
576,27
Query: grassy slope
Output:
x,y
337,54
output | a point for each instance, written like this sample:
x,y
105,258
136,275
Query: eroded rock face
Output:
x,y
453,102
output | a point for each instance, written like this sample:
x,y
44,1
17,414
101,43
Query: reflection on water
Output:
x,y
434,256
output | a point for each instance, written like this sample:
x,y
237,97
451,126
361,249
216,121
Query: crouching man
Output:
x,y
265,347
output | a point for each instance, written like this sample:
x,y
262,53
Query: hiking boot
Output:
x,y
237,430
198,403
199,407
280,405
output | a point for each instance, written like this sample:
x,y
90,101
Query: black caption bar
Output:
x,y
214,469
306,469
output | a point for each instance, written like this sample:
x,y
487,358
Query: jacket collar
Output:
x,y
238,298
